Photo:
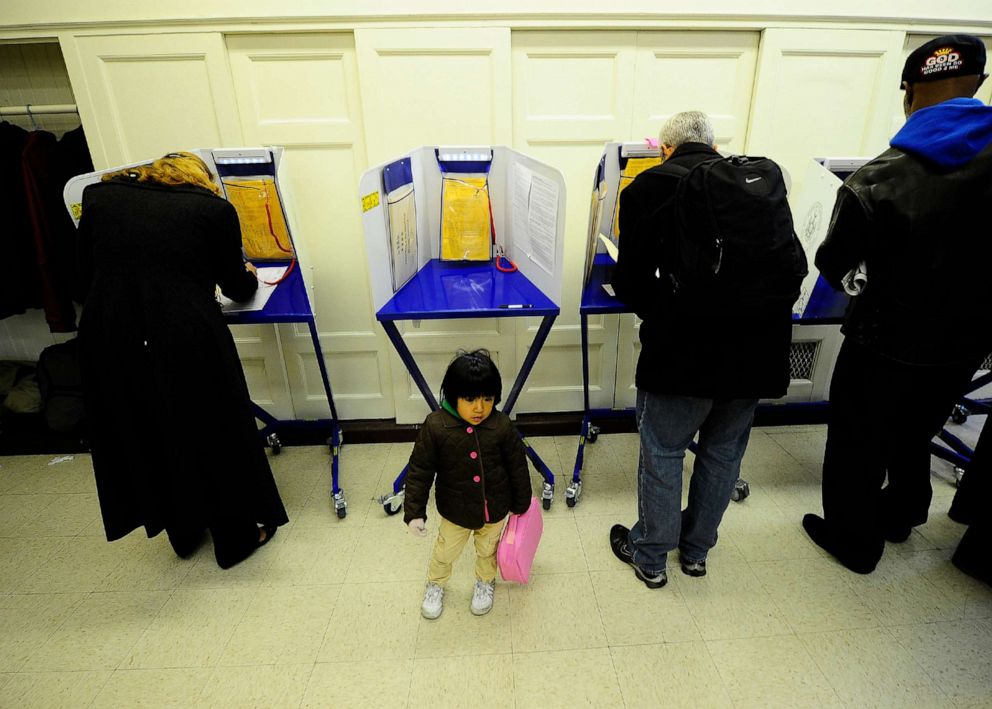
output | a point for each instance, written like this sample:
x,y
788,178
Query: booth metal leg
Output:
x,y
270,428
529,360
410,363
336,439
588,432
392,503
548,489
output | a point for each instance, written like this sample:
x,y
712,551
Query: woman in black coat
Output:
x,y
174,440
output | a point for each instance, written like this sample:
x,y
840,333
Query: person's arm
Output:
x,y
634,279
515,464
235,281
420,476
846,242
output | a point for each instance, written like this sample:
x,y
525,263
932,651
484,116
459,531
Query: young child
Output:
x,y
482,477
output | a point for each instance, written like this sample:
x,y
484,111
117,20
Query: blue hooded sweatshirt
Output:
x,y
949,134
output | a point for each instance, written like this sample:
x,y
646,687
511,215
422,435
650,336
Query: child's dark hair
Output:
x,y
471,374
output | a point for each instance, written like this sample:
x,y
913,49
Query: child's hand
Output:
x,y
418,527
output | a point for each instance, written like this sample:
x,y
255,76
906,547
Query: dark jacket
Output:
x,y
172,432
479,468
20,288
691,347
47,165
915,216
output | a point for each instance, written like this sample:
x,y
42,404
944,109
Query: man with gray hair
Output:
x,y
708,353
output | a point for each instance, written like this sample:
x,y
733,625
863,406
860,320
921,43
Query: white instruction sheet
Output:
x,y
811,210
535,216
262,295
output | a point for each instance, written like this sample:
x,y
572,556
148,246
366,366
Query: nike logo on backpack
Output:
x,y
750,180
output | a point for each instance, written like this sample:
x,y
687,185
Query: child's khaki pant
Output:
x,y
451,540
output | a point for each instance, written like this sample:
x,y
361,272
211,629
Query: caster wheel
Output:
x,y
592,434
390,510
546,504
342,512
958,474
274,443
959,414
569,501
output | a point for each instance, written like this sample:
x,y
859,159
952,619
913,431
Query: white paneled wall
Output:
x,y
35,74
427,87
343,94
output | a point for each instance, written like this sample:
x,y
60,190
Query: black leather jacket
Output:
x,y
925,235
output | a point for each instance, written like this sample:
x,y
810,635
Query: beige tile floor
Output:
x,y
327,615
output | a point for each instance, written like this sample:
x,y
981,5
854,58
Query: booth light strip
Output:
x,y
466,157
241,161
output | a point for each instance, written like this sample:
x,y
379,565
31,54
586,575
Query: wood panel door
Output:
x,y
437,86
301,92
147,95
711,72
572,92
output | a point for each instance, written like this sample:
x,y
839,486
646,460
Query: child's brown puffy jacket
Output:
x,y
479,469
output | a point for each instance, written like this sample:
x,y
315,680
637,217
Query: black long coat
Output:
x,y
173,437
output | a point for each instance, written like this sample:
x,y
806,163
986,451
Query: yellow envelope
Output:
x,y
465,222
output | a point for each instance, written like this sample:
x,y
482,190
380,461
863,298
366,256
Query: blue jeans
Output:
x,y
667,424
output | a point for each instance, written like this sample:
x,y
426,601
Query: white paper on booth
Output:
x,y
521,201
542,219
402,235
611,248
811,209
262,295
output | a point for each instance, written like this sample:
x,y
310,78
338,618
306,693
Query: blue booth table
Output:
x,y
289,304
444,290
825,307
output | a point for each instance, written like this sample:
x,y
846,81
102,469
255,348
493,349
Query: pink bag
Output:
x,y
517,547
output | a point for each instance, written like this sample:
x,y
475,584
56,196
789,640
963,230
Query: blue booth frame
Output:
x,y
447,290
289,304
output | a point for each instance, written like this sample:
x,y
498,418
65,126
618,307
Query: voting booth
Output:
x,y
252,180
464,232
405,205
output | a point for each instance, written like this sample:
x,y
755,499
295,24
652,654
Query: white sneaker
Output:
x,y
433,601
482,597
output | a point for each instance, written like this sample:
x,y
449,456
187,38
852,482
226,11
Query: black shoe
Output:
x,y
621,549
817,529
897,535
694,568
225,561
185,542
972,556
270,531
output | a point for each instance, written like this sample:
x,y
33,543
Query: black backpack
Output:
x,y
61,386
735,243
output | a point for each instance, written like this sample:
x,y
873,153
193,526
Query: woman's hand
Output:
x,y
250,267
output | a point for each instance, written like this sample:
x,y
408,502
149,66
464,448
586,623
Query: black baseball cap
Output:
x,y
946,57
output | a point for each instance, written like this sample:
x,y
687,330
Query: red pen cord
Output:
x,y
499,251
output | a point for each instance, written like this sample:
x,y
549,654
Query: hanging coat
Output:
x,y
20,288
47,165
173,437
